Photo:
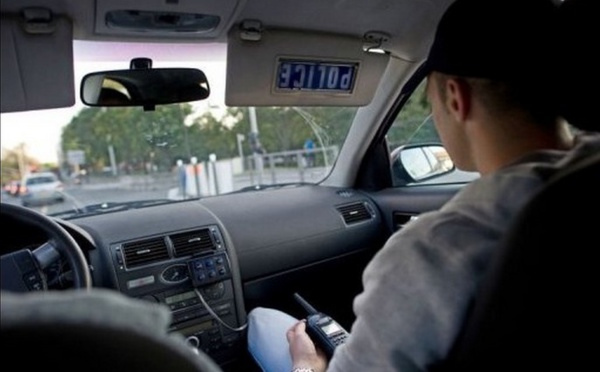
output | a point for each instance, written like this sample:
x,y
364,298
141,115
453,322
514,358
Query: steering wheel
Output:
x,y
22,270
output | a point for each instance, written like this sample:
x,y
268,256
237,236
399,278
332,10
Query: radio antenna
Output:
x,y
309,309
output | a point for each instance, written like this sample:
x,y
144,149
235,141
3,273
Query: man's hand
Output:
x,y
303,351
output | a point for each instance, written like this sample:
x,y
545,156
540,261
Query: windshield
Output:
x,y
104,156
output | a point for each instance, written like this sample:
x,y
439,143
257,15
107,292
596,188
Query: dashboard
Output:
x,y
212,260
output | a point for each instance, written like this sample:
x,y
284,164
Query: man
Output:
x,y
309,155
495,108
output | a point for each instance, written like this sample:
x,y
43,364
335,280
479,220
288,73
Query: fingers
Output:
x,y
303,351
298,328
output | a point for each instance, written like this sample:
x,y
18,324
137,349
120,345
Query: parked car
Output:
x,y
187,203
41,188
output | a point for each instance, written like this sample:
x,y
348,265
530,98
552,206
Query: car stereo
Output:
x,y
198,289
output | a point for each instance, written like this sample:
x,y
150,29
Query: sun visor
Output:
x,y
36,64
293,68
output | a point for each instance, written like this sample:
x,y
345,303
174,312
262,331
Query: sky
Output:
x,y
41,134
40,130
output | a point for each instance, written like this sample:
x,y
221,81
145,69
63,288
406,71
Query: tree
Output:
x,y
15,162
413,124
210,136
286,128
159,138
139,138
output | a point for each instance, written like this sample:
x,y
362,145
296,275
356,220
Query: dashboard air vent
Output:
x,y
356,212
191,242
145,251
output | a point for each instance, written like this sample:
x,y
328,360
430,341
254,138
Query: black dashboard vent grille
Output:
x,y
353,213
192,242
145,251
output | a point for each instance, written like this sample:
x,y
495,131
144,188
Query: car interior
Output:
x,y
211,260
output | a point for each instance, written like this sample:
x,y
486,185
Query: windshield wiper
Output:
x,y
107,207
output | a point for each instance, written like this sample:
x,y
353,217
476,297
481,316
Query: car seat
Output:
x,y
536,309
97,330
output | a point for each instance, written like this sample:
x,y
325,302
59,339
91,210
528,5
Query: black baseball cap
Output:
x,y
495,39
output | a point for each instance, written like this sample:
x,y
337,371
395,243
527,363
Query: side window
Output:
x,y
416,151
414,124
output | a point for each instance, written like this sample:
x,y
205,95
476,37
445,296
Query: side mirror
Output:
x,y
419,163
144,87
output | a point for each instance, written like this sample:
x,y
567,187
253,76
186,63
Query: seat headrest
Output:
x,y
97,330
578,23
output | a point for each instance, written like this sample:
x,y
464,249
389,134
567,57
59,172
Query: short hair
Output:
x,y
536,100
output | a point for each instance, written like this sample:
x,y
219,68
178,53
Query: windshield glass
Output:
x,y
104,156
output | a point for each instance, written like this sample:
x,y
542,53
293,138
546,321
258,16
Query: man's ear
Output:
x,y
458,98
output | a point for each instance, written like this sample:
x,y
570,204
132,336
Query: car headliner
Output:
x,y
409,23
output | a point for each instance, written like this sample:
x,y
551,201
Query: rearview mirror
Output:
x,y
144,87
418,163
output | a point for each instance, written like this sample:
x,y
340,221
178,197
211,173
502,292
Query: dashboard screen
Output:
x,y
331,328
180,297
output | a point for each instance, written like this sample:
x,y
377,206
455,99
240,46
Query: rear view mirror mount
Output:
x,y
143,86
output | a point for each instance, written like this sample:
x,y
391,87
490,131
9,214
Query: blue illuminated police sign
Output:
x,y
315,76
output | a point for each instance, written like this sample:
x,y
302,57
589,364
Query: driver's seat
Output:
x,y
97,330
537,309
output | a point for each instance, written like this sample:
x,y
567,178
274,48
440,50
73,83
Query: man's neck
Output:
x,y
500,148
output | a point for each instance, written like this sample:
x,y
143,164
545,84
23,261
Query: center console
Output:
x,y
191,273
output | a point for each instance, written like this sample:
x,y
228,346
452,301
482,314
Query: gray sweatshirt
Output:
x,y
418,287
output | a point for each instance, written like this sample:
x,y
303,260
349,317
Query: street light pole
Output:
x,y
185,133
21,156
111,155
240,139
258,159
